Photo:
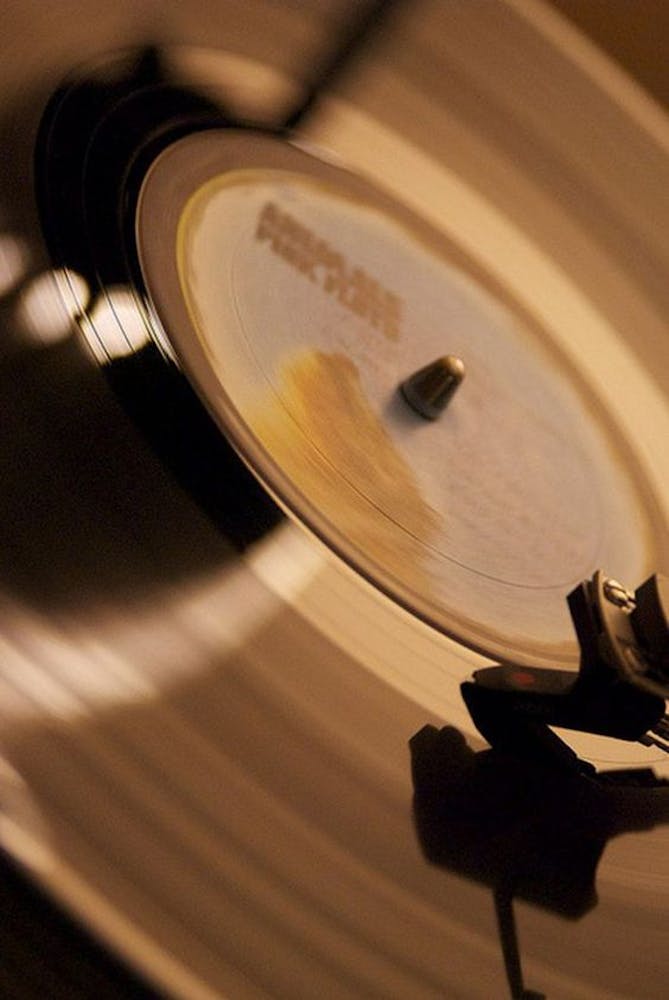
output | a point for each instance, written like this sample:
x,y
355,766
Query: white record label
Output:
x,y
298,298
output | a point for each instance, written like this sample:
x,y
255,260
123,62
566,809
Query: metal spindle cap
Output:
x,y
429,390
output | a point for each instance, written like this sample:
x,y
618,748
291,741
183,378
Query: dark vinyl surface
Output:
x,y
45,954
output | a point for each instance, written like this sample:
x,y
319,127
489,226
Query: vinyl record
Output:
x,y
240,574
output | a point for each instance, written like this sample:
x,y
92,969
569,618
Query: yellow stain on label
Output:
x,y
326,437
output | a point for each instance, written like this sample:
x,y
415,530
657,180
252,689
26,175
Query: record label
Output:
x,y
299,297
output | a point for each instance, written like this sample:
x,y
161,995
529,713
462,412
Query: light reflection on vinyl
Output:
x,y
206,752
12,262
49,305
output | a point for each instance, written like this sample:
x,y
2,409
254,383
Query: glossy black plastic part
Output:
x,y
620,688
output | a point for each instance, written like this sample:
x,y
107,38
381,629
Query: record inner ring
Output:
x,y
297,297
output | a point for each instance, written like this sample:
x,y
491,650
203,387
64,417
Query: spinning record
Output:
x,y
316,400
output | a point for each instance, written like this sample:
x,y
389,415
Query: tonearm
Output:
x,y
619,690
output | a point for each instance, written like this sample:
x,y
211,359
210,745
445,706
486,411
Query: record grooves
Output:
x,y
96,135
258,614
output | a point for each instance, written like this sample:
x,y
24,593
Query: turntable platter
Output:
x,y
205,753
